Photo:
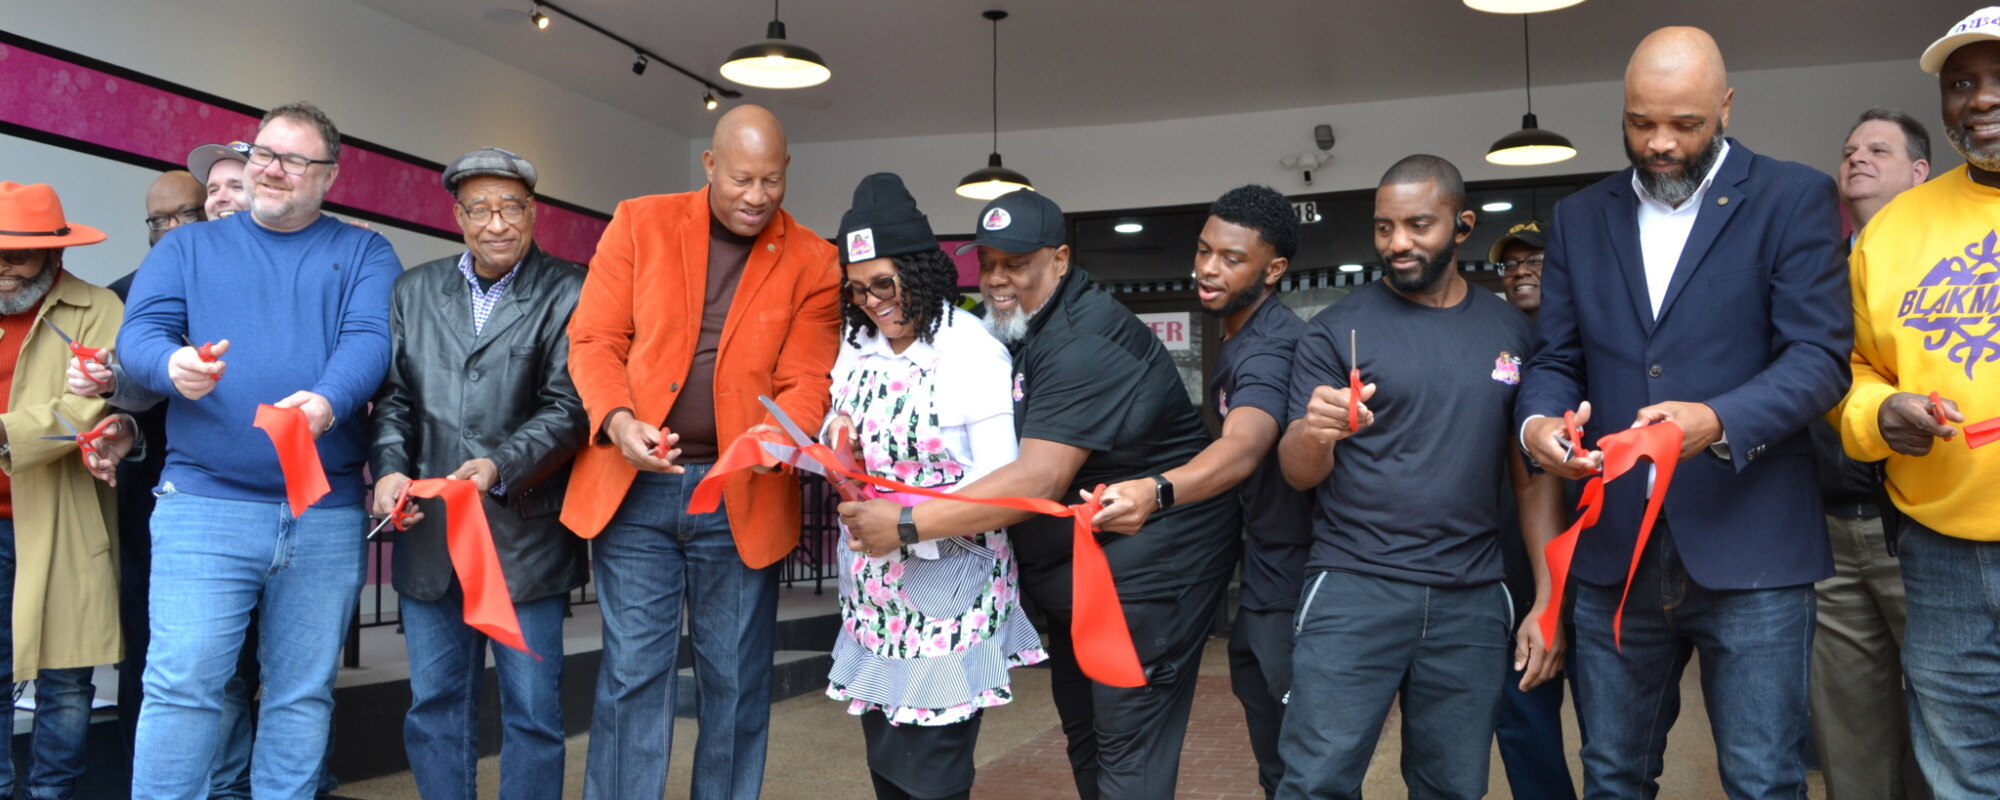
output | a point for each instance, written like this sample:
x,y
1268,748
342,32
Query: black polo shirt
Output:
x,y
1254,370
1090,375
1421,491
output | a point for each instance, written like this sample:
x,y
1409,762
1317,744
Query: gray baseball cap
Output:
x,y
489,161
203,158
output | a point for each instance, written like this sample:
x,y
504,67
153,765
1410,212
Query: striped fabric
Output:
x,y
483,300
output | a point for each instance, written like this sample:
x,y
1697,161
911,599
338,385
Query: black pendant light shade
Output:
x,y
775,63
994,180
1529,146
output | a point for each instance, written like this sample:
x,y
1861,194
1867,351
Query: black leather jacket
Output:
x,y
504,395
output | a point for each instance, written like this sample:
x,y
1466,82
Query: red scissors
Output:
x,y
1937,409
86,441
659,450
85,355
1572,437
1353,385
206,351
397,517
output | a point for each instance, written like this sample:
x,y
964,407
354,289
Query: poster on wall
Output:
x,y
1173,328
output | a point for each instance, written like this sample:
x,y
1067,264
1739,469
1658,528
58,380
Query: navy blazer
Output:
x,y
1756,323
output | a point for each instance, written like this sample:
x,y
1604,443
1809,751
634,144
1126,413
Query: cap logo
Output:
x,y
1525,226
860,245
1975,22
996,219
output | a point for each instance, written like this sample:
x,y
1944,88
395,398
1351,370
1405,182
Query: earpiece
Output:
x,y
1462,227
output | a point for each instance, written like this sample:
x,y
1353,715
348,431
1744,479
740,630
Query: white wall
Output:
x,y
1797,114
378,78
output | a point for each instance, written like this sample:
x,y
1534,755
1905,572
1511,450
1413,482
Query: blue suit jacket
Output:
x,y
1756,323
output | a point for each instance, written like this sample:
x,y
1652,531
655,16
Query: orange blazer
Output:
x,y
632,341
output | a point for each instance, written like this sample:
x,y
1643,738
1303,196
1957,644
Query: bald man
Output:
x,y
695,304
174,199
1702,287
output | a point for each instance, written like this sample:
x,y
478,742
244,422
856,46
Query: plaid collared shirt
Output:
x,y
483,300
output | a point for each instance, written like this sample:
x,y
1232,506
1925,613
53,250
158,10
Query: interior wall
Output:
x,y
378,78
1798,114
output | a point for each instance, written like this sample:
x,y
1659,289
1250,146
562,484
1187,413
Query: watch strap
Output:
x,y
1163,492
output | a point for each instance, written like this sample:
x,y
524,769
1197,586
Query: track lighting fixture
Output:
x,y
639,64
538,19
708,100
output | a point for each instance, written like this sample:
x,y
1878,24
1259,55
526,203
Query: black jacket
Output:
x,y
504,395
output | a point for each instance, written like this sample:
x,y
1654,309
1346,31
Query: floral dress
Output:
x,y
926,637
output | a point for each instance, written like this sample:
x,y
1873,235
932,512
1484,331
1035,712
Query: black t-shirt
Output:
x,y
1090,375
1254,370
1420,491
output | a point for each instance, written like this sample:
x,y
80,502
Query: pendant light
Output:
x,y
775,63
1530,146
994,180
1518,6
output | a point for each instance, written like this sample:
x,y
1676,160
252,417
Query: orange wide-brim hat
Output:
x,y
31,218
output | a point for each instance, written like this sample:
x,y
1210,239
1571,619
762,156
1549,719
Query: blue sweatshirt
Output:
x,y
302,310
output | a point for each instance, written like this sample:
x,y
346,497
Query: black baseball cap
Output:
x,y
1528,233
1020,221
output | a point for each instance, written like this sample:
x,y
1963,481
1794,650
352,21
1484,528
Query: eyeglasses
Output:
x,y
511,213
1533,263
169,221
884,288
292,162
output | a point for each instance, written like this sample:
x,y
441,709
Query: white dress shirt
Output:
x,y
1664,229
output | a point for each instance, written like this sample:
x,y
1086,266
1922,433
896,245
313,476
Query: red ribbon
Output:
x,y
1982,433
1659,443
305,479
1097,627
488,607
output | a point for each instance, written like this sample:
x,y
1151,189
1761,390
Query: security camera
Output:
x,y
1322,136
1308,176
1306,163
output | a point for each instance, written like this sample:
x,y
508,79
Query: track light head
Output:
x,y
639,64
538,19
708,99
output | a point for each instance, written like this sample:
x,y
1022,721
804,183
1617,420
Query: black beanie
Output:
x,y
883,222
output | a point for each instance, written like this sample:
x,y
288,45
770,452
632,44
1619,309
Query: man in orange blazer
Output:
x,y
695,304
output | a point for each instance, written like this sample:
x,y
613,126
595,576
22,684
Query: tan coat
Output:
x,y
66,560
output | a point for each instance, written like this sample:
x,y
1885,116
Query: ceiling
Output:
x,y
922,67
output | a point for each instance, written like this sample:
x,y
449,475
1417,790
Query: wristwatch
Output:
x,y
1163,492
906,526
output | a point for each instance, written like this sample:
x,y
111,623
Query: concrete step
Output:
x,y
793,673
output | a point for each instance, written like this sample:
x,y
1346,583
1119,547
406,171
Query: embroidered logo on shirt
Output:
x,y
996,219
1222,402
1507,369
1020,378
1959,295
860,245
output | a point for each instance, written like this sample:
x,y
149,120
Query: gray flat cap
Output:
x,y
488,161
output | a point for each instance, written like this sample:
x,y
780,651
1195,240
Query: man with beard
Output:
x,y
1403,595
1701,287
297,305
1097,400
1926,261
1859,717
1243,250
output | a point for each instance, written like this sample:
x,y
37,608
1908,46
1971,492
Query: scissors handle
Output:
x,y
1354,399
1937,409
1573,437
659,450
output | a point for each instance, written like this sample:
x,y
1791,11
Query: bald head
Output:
x,y
174,199
1677,99
746,169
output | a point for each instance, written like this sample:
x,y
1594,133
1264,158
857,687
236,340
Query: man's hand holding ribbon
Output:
x,y
1700,428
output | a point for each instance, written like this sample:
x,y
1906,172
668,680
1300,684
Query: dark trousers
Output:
x,y
1126,743
920,762
1530,735
1362,641
1260,673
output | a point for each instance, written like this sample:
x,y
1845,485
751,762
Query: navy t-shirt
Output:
x,y
1421,490
1091,375
1254,370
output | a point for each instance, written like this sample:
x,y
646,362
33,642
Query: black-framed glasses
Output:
x,y
511,213
1533,263
884,288
292,162
168,221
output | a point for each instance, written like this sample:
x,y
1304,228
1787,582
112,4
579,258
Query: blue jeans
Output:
x,y
447,671
1755,647
62,705
214,561
650,560
1365,640
1529,731
1951,658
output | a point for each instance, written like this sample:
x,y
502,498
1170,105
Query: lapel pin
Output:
x,y
771,247
1722,201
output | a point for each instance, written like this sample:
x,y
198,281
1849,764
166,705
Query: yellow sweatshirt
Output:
x,y
1926,282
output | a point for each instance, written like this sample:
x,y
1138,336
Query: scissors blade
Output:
x,y
73,432
59,331
380,525
797,433
794,456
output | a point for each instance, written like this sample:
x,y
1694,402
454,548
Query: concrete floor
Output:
x,y
816,752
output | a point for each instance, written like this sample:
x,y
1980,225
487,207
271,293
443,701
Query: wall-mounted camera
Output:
x,y
1306,163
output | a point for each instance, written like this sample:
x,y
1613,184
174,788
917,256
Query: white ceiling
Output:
x,y
921,67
